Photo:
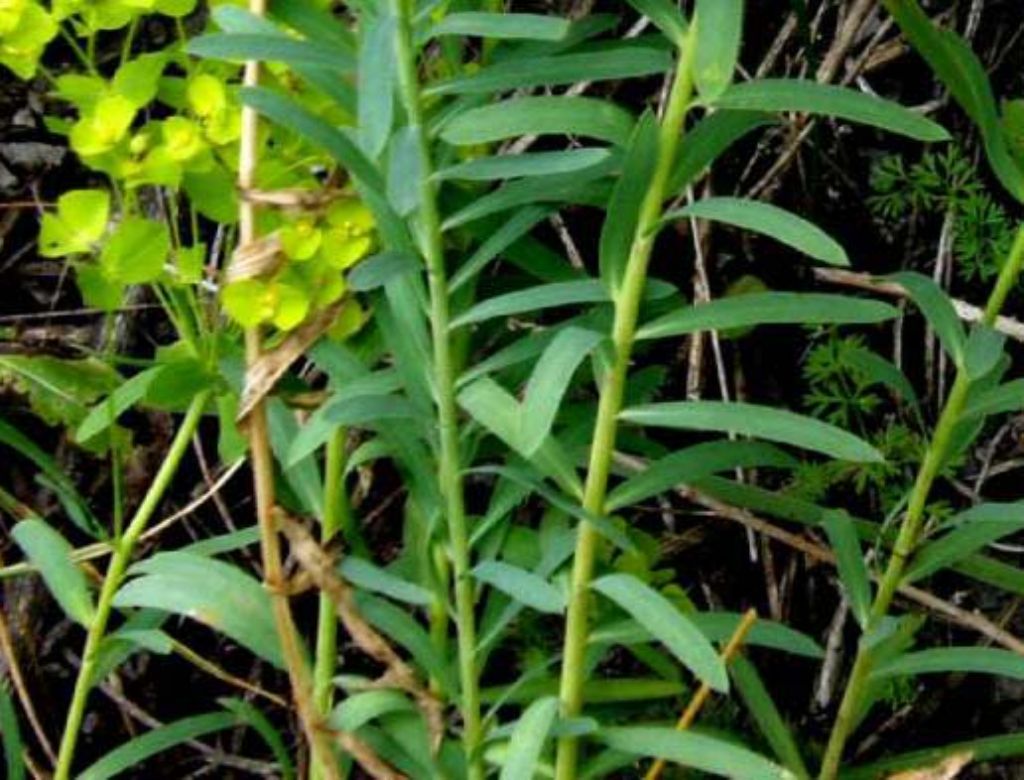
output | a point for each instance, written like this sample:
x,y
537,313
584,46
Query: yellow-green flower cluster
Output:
x,y
25,29
318,249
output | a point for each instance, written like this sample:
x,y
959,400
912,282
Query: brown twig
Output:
x,y
299,674
321,568
693,709
968,312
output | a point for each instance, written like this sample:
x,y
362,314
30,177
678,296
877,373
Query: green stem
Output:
x,y
336,509
910,530
122,553
449,467
627,307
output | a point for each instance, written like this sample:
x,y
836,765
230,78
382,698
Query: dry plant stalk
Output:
x,y
732,647
319,566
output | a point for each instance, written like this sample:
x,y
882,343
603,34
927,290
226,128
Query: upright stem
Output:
x,y
449,468
123,547
337,514
910,530
262,463
627,307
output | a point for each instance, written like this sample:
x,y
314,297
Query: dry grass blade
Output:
x,y
263,373
260,257
321,568
947,769
369,761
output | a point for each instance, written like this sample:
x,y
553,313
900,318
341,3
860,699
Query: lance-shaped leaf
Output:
x,y
514,166
271,48
708,139
619,62
768,308
527,741
667,624
698,751
521,585
375,83
142,747
50,553
946,660
963,74
766,715
853,571
549,382
540,115
693,463
937,309
785,227
972,530
213,592
533,299
537,27
665,15
720,25
763,422
810,97
619,228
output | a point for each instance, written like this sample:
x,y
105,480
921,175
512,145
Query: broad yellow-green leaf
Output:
x,y
79,222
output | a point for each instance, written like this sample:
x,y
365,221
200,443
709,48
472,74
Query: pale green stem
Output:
x,y
336,510
627,307
119,560
450,479
913,520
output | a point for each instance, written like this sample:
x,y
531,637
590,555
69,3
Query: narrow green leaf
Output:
x,y
972,530
518,225
763,422
664,15
997,748
270,48
211,591
618,62
375,82
937,309
620,224
1007,397
249,714
368,576
768,308
693,463
668,625
137,750
549,382
10,737
585,187
50,553
769,220
496,410
360,708
810,97
947,660
522,586
951,59
513,166
766,715
537,27
607,691
698,751
533,299
377,270
983,350
720,26
541,115
527,741
708,139
106,412
853,572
